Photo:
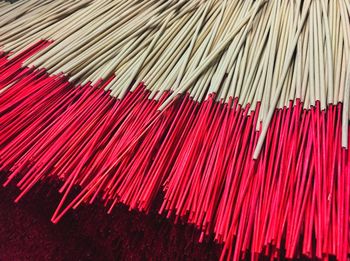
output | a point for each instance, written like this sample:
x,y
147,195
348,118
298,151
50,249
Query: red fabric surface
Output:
x,y
89,233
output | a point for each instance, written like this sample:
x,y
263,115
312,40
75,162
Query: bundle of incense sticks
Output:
x,y
236,111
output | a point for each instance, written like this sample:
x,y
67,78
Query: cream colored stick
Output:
x,y
346,68
329,54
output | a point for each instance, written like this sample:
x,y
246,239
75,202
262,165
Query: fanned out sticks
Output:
x,y
236,111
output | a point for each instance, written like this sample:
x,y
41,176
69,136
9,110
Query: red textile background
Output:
x,y
89,233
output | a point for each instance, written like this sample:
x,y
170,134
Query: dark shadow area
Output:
x,y
89,233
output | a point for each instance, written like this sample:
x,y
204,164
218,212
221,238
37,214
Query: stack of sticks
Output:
x,y
236,111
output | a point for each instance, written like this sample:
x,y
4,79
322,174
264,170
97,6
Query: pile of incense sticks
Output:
x,y
235,111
